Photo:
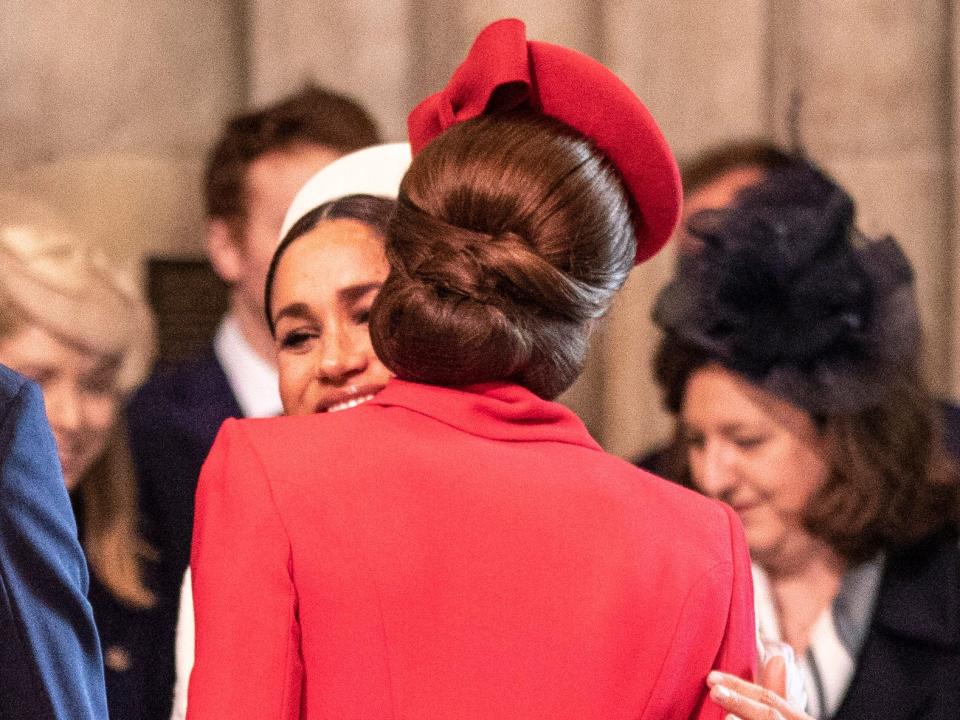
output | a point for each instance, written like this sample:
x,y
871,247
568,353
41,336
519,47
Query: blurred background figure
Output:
x,y
49,651
77,326
253,172
791,359
711,180
713,177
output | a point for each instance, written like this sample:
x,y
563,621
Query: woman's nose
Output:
x,y
341,357
64,407
716,469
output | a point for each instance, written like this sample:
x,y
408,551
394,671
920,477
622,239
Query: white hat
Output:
x,y
375,170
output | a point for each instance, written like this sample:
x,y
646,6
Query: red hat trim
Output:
x,y
503,71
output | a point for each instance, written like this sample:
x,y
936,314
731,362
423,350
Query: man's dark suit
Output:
x,y
173,419
50,663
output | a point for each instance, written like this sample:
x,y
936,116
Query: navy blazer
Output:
x,y
50,665
173,419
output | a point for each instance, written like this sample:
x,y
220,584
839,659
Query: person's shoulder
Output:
x,y
11,384
677,516
180,380
291,446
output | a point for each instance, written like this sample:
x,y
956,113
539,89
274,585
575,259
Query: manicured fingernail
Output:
x,y
714,677
721,693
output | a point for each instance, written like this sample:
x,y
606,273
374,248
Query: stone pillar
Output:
x,y
874,82
701,68
107,110
120,76
361,48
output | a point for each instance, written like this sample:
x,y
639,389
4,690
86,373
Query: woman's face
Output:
x,y
758,453
79,391
323,288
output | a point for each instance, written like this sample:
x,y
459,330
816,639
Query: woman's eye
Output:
x,y
363,316
99,384
749,442
41,376
295,339
693,440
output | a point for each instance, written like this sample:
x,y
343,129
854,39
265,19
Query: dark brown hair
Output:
x,y
891,484
706,167
373,211
312,116
511,236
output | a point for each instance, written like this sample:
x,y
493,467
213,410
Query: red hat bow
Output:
x,y
504,71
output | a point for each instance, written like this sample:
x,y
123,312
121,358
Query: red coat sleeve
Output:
x,y
716,631
248,662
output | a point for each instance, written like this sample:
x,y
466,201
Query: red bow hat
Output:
x,y
503,71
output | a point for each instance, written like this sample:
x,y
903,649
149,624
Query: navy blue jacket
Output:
x,y
173,419
50,664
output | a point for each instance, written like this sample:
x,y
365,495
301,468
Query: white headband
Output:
x,y
375,170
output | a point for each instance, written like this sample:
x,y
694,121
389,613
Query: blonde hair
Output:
x,y
52,278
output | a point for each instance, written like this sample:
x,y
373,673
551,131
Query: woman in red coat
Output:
x,y
458,546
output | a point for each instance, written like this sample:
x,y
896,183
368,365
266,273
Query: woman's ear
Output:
x,y
224,249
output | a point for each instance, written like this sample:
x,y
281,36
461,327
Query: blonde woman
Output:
x,y
73,324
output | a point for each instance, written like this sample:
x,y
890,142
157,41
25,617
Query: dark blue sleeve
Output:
x,y
50,661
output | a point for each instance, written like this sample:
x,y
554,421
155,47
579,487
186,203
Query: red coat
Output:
x,y
447,554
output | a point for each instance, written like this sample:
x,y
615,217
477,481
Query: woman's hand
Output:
x,y
749,701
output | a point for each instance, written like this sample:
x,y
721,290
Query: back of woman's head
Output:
x,y
511,237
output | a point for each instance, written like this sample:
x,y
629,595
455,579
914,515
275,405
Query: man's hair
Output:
x,y
312,116
713,162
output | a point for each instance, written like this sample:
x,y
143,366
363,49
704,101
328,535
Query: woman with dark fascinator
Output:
x,y
458,545
791,357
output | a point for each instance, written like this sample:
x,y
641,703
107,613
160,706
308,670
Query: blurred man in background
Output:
x,y
711,180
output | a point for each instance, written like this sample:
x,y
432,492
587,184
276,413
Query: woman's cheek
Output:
x,y
294,383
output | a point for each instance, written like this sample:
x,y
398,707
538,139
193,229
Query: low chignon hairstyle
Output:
x,y
512,235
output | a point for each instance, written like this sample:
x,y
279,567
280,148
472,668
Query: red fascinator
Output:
x,y
503,71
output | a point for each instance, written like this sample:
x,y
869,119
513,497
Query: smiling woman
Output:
x,y
321,287
322,281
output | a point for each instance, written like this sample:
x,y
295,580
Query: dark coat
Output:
x,y
173,419
50,663
130,637
909,668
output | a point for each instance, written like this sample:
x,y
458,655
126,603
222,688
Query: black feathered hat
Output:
x,y
783,289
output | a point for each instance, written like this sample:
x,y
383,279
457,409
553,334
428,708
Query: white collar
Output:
x,y
835,638
254,381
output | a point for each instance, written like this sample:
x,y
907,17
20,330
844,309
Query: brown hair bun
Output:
x,y
511,237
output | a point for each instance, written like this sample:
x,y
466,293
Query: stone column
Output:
x,y
107,110
701,68
362,48
80,78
